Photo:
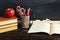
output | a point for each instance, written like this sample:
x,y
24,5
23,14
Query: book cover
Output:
x,y
4,21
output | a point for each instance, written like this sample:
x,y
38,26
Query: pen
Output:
x,y
28,12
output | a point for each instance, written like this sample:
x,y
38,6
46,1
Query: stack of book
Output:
x,y
8,24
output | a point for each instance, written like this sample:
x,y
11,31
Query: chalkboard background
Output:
x,y
42,9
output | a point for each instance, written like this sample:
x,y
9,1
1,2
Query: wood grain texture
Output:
x,y
21,34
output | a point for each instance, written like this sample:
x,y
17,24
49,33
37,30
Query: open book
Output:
x,y
45,26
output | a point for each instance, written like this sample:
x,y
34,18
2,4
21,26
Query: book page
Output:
x,y
39,27
55,28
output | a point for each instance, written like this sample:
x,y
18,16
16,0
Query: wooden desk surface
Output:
x,y
21,34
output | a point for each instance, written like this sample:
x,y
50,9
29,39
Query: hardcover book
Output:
x,y
4,21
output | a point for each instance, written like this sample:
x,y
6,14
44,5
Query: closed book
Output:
x,y
7,25
7,28
4,21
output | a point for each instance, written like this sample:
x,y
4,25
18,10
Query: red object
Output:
x,y
9,12
19,10
29,11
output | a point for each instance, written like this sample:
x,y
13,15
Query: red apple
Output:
x,y
9,12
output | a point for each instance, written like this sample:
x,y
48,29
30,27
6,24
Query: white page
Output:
x,y
36,22
39,27
55,28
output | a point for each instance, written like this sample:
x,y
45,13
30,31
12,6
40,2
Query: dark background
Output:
x,y
41,8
